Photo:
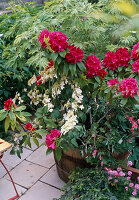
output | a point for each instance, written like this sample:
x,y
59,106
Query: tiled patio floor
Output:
x,y
35,175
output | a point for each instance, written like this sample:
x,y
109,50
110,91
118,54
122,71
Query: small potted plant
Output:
x,y
82,102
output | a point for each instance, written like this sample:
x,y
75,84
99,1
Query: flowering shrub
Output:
x,y
80,101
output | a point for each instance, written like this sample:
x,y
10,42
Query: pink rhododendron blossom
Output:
x,y
135,66
29,127
58,41
110,61
137,186
129,163
112,82
121,173
49,142
134,192
55,133
128,87
44,34
94,153
100,157
8,104
115,180
129,173
126,188
131,184
39,80
51,138
110,177
135,51
123,57
101,163
128,178
119,169
75,54
115,173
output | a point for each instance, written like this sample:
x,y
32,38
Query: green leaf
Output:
x,y
58,153
49,151
81,66
36,141
3,115
18,154
20,108
54,56
2,111
137,106
11,115
73,141
123,101
27,141
62,54
45,109
72,68
18,127
137,98
94,93
42,131
7,123
50,123
38,136
97,79
27,114
66,68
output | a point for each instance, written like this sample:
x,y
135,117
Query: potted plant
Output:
x,y
81,102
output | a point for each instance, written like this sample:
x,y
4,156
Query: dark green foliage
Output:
x,y
92,184
14,72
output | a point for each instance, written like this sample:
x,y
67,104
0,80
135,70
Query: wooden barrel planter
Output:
x,y
69,160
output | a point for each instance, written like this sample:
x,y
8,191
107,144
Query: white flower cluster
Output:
x,y
47,101
17,96
48,73
58,87
70,118
78,97
34,96
32,80
71,121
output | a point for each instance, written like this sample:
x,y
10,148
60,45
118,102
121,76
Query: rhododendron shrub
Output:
x,y
81,101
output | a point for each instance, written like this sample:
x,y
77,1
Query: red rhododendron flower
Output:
x,y
51,63
123,57
110,60
29,127
128,87
44,34
58,41
75,54
93,66
49,142
102,73
39,80
135,66
55,133
112,82
8,104
135,51
50,139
